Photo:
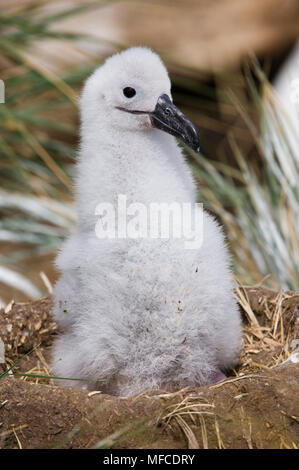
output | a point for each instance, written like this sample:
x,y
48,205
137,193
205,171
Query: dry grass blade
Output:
x,y
195,412
13,430
220,442
204,433
189,434
242,298
242,377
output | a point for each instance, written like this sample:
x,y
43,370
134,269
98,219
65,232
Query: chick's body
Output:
x,y
143,313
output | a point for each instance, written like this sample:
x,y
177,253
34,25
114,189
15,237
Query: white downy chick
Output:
x,y
140,313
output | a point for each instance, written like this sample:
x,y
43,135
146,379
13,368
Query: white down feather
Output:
x,y
138,314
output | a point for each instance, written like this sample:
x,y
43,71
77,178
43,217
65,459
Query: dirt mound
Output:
x,y
256,407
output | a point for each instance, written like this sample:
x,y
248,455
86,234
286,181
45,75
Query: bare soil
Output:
x,y
256,407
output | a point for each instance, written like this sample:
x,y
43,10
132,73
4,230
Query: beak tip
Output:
x,y
194,142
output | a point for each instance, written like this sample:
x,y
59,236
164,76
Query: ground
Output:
x,y
256,407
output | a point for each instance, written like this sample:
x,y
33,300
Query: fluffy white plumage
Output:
x,y
144,313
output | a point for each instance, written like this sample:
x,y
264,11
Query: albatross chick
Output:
x,y
140,312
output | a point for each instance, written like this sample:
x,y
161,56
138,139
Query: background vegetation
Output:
x,y
253,189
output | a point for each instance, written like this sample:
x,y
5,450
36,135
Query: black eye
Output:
x,y
129,92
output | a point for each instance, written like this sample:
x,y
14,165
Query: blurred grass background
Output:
x,y
247,174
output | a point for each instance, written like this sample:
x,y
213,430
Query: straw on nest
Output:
x,y
271,326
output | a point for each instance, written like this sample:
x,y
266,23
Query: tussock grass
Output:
x,y
36,143
259,208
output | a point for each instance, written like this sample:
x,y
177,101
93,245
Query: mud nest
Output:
x,y
256,407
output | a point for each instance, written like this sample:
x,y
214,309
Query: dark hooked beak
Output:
x,y
169,118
